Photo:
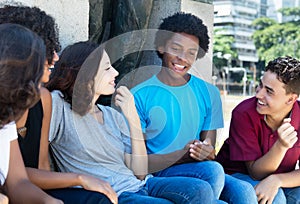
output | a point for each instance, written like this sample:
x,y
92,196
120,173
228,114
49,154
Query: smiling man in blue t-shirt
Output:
x,y
180,113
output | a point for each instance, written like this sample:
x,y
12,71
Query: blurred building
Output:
x,y
275,5
235,18
264,7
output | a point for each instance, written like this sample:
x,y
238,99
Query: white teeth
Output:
x,y
260,102
179,66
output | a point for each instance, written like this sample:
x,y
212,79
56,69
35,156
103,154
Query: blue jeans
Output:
x,y
167,190
237,191
78,196
210,172
284,195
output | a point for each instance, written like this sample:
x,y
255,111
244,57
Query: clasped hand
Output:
x,y
201,150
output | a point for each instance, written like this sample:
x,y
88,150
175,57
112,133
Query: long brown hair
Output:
x,y
22,58
74,75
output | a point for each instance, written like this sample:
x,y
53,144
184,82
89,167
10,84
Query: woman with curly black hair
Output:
x,y
22,58
38,21
35,121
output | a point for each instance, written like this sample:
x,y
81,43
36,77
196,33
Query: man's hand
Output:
x,y
202,151
267,189
287,134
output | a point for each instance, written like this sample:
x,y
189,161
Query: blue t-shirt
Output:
x,y
171,116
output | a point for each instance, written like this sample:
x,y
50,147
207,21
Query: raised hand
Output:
x,y
125,100
287,134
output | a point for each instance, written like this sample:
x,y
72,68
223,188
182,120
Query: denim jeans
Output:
x,y
209,172
167,190
237,191
284,195
78,196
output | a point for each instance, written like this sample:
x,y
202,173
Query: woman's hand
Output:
x,y
3,199
125,100
94,184
53,201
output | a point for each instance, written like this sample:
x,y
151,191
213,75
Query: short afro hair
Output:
x,y
182,22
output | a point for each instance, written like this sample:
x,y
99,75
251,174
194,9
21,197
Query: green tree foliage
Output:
x,y
221,46
274,39
262,23
295,12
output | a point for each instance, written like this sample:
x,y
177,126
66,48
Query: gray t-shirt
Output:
x,y
82,145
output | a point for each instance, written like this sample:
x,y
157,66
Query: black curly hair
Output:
x,y
287,70
36,20
73,60
22,58
182,22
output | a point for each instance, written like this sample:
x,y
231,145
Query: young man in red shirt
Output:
x,y
263,147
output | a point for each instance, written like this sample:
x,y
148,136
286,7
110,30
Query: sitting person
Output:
x,y
180,113
33,126
22,58
96,140
263,147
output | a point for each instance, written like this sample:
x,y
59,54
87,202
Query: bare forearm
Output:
x,y
52,180
268,163
26,192
158,162
290,179
19,188
139,158
209,136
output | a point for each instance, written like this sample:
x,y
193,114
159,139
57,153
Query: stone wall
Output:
x,y
202,67
72,18
101,20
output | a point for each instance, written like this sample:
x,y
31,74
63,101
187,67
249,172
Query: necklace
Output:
x,y
22,131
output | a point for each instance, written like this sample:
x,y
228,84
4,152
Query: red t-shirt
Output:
x,y
250,138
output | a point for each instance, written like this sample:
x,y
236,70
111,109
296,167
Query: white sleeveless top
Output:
x,y
7,134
